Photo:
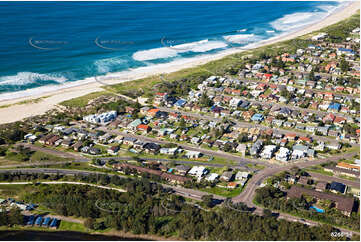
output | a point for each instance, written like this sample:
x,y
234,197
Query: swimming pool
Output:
x,y
319,210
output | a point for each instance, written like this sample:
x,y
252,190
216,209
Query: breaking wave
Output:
x,y
108,64
26,78
241,38
173,51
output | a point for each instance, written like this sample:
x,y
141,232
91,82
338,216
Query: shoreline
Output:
x,y
42,101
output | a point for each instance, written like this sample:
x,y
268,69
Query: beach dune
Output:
x,y
11,110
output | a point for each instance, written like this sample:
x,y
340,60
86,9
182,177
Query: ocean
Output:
x,y
45,45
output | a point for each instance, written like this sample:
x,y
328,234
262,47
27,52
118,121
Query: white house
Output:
x,y
319,36
198,171
241,148
169,151
334,146
193,154
268,151
241,175
283,154
212,177
101,118
235,102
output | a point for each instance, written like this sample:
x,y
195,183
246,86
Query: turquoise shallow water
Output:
x,y
50,43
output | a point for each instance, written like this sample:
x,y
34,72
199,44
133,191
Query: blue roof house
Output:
x,y
257,117
46,221
180,103
338,187
38,220
334,107
345,51
54,223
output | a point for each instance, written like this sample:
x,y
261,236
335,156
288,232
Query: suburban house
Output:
x,y
212,177
344,204
113,150
338,187
193,154
321,186
226,176
198,171
182,169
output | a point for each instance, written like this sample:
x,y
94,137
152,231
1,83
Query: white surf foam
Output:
x,y
241,38
242,30
297,20
153,54
25,78
201,46
270,31
107,64
173,51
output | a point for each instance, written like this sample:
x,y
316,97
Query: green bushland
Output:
x,y
274,199
144,209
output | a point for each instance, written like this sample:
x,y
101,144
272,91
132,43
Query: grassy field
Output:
x,y
14,190
41,156
256,166
225,192
71,226
15,157
319,169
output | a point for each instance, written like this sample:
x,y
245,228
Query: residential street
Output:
x,y
250,125
221,154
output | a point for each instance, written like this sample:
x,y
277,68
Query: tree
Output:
x,y
208,200
205,101
182,123
15,216
312,75
267,213
344,65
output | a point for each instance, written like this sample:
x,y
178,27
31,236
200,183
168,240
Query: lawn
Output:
x,y
14,190
225,192
319,169
71,226
255,166
41,156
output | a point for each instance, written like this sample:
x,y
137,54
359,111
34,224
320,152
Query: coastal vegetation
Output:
x,y
273,198
147,209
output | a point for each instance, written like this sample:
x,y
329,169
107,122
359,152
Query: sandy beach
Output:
x,y
11,111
